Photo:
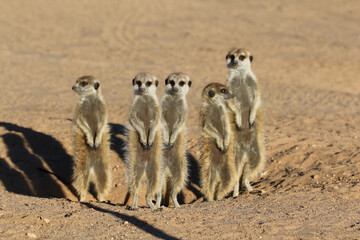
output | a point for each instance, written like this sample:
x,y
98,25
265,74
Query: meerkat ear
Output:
x,y
96,85
167,81
156,83
251,58
189,83
211,93
133,81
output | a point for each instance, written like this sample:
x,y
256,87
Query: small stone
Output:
x,y
31,235
126,223
315,177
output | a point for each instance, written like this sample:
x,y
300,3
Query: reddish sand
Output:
x,y
306,57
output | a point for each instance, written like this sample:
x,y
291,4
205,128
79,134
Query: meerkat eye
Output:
x,y
83,84
172,83
148,83
232,57
242,57
182,83
224,91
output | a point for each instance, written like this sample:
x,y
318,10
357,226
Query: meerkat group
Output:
x,y
231,144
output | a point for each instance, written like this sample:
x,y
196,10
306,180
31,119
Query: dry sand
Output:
x,y
306,57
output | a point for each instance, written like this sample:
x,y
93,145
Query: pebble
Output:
x,y
31,235
46,220
315,177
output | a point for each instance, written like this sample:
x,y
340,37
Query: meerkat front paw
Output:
x,y
168,146
220,146
148,147
90,143
143,142
97,143
251,119
226,148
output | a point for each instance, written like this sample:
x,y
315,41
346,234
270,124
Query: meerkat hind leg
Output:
x,y
102,181
149,201
174,199
134,205
158,200
247,185
81,183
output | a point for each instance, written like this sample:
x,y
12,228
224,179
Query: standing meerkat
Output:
x,y
144,160
250,152
174,114
216,145
91,139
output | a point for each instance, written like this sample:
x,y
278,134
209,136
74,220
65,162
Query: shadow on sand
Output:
x,y
118,143
33,156
141,224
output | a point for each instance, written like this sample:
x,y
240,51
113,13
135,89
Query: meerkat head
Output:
x,y
177,84
239,59
145,83
86,85
217,93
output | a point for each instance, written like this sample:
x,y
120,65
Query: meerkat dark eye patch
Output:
x,y
166,81
189,83
182,83
148,83
172,83
156,83
83,84
241,57
224,91
232,57
96,85
211,93
133,81
138,83
251,58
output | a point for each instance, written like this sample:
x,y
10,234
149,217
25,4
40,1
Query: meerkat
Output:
x,y
174,114
144,160
250,152
91,139
216,145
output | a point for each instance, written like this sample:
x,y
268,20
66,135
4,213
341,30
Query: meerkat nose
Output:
x,y
73,88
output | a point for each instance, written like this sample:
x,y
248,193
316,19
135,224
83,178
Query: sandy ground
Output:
x,y
306,57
